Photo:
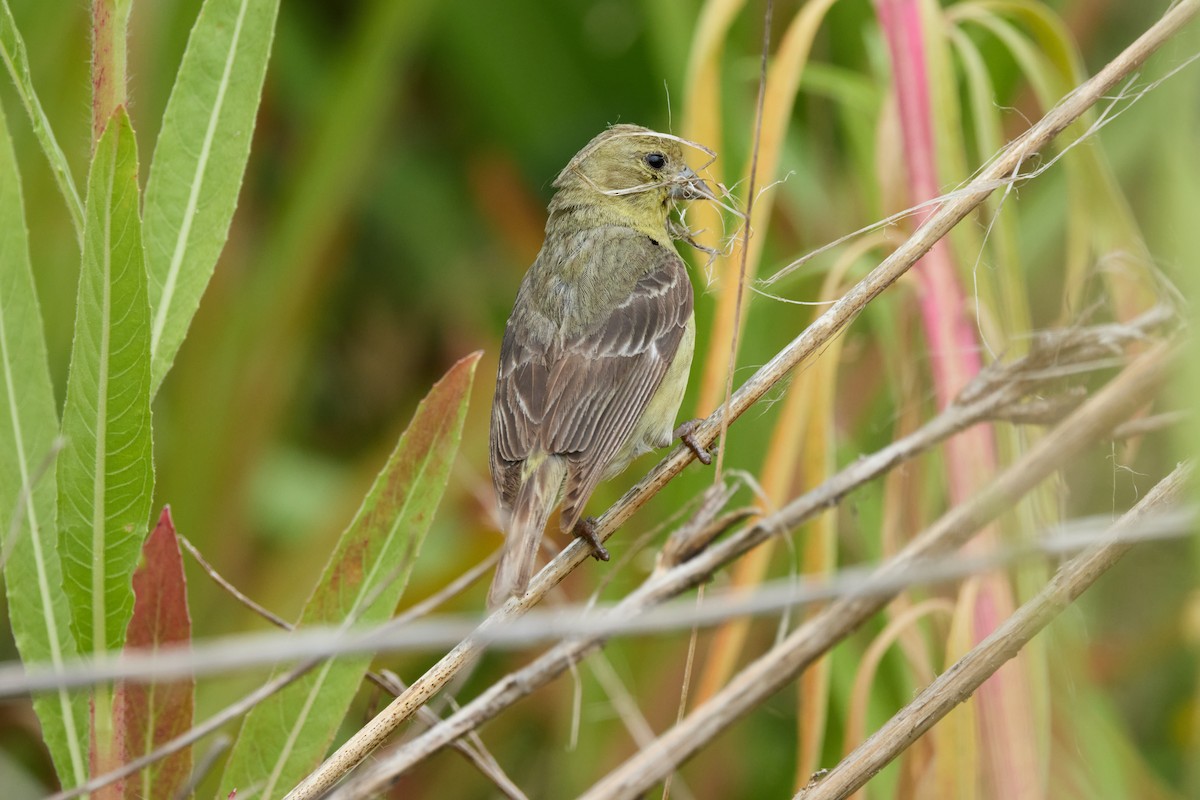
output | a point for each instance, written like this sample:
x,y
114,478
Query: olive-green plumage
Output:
x,y
596,353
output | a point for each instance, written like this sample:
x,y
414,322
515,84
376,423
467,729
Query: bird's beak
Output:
x,y
689,186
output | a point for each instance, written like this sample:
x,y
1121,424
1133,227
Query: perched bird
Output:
x,y
598,347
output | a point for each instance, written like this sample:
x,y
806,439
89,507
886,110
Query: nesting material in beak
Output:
x,y
687,185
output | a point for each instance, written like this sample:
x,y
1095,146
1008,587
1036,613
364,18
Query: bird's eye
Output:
x,y
656,160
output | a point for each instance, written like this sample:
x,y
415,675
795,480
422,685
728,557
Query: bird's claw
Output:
x,y
586,529
684,433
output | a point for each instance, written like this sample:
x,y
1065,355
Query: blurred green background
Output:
x,y
395,195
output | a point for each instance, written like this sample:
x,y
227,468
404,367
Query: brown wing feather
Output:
x,y
580,396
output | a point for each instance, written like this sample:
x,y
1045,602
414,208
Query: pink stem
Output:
x,y
951,335
110,19
954,353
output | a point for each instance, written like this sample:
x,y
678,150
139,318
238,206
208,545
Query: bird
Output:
x,y
596,353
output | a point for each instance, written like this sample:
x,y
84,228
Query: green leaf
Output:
x,y
200,160
38,612
105,473
285,737
12,51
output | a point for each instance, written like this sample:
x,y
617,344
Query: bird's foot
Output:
x,y
684,434
586,529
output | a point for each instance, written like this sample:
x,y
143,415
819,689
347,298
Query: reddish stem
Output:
x,y
951,336
110,21
1004,706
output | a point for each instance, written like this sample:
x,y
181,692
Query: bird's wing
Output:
x,y
581,396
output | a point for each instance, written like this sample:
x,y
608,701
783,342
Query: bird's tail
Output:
x,y
535,500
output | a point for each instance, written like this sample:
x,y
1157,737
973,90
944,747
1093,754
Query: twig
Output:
x,y
627,708
460,583
190,737
581,620
684,685
1109,407
452,589
474,750
243,705
783,663
828,325
743,261
204,766
965,676
999,386
217,578
1151,424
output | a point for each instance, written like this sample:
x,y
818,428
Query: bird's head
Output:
x,y
633,170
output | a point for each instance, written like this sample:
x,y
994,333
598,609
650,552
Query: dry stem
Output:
x,y
1109,407
965,676
1135,386
1005,166
242,706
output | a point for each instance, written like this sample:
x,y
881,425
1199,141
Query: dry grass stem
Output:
x,y
829,324
473,749
204,765
1150,424
962,679
233,591
744,253
628,710
226,715
670,582
998,387
1126,393
1135,386
243,705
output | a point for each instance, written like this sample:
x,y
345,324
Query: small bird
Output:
x,y
597,350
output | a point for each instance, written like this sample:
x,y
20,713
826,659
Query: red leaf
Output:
x,y
147,716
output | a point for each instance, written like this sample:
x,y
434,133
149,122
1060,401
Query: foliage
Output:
x,y
339,205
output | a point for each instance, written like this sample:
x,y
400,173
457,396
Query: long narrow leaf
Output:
x,y
38,612
105,473
12,51
285,737
200,160
147,717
